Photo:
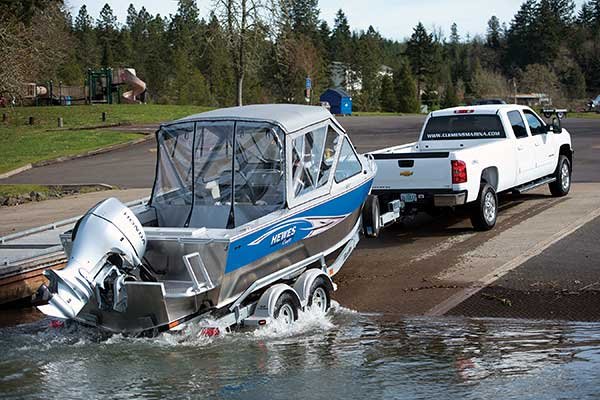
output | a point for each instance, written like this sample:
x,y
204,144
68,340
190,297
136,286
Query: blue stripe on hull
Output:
x,y
281,234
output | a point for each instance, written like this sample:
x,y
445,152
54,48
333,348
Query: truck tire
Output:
x,y
286,309
562,185
370,217
484,211
319,296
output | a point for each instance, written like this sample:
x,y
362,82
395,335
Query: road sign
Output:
x,y
308,83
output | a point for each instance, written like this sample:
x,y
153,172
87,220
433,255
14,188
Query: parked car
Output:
x,y
594,104
465,156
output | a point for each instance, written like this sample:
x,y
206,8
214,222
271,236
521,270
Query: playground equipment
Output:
x,y
101,86
128,76
50,94
105,85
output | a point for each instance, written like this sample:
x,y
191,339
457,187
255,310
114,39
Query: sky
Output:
x,y
394,19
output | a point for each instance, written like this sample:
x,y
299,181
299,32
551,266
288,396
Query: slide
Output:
x,y
128,76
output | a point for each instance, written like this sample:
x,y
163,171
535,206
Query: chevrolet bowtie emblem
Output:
x,y
406,173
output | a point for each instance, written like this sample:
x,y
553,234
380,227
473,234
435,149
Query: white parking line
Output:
x,y
496,274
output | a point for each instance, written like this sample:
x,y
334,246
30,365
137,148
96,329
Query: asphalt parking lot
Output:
x,y
539,262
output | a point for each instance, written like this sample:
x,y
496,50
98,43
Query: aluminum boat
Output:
x,y
244,198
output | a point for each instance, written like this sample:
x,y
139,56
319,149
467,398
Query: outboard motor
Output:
x,y
108,245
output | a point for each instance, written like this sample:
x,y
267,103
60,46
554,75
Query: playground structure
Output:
x,y
101,86
51,94
105,86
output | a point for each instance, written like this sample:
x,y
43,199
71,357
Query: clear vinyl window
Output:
x,y
313,155
349,164
218,174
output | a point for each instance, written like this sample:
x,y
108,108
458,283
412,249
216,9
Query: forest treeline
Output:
x,y
257,51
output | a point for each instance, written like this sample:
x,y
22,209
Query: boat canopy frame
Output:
x,y
218,174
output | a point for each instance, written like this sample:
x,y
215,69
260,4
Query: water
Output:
x,y
342,355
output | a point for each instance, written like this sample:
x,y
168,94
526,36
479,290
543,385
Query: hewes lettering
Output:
x,y
283,236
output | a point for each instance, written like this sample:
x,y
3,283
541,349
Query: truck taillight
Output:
x,y
459,171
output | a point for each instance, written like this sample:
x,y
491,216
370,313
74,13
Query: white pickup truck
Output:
x,y
465,156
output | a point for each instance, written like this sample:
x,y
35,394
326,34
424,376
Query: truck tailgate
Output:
x,y
413,170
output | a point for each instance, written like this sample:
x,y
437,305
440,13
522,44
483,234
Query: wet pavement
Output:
x,y
563,282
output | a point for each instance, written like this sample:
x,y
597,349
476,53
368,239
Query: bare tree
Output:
x,y
246,26
32,50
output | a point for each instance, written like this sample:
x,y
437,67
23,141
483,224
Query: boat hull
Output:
x,y
320,228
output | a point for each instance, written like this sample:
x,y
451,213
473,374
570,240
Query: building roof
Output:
x,y
338,91
290,117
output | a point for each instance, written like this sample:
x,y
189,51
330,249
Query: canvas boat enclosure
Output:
x,y
239,195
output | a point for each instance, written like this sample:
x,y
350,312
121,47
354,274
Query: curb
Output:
x,y
16,171
75,156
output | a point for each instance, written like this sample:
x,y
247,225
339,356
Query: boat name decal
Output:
x,y
284,232
284,236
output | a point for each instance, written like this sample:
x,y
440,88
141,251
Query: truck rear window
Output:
x,y
459,127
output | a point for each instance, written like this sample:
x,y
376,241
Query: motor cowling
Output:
x,y
108,244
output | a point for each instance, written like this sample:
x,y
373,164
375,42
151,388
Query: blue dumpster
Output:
x,y
339,100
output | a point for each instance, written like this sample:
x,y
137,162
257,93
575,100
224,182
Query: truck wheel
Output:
x,y
484,211
562,185
286,309
319,296
370,217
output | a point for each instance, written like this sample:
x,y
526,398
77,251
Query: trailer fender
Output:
x,y
304,283
265,307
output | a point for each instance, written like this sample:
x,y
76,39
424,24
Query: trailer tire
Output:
x,y
319,295
484,211
562,185
370,217
286,308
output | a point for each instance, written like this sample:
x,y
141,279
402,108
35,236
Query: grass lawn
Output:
x,y
21,143
589,115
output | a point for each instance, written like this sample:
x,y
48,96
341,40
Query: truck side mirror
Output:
x,y
556,126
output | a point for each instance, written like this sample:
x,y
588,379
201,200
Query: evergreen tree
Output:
x,y
586,16
367,65
521,34
325,40
304,16
157,60
85,40
341,39
107,60
387,97
218,66
454,36
419,50
450,97
493,33
106,27
405,89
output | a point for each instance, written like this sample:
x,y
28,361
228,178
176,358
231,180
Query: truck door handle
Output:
x,y
537,145
520,148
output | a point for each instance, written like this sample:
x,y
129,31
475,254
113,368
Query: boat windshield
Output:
x,y
218,174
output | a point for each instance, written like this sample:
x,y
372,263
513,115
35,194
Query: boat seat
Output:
x,y
174,289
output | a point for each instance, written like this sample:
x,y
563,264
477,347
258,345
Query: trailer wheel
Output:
x,y
562,185
484,211
370,217
286,309
319,296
